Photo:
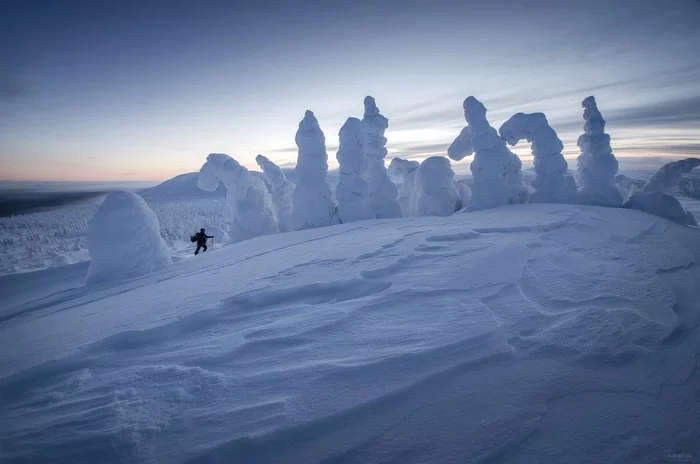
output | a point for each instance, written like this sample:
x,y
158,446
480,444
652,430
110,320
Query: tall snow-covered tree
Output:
x,y
670,174
282,192
406,171
352,192
435,193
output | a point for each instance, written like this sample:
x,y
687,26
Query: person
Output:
x,y
201,241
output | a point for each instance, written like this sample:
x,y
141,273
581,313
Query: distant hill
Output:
x,y
182,187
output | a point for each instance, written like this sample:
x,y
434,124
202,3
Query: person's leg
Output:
x,y
204,246
196,252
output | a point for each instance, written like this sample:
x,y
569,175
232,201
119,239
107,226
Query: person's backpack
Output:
x,y
193,238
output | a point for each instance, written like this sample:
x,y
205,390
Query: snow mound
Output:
x,y
435,193
597,165
405,172
313,201
659,204
352,192
670,174
182,187
124,240
551,183
250,210
282,192
382,190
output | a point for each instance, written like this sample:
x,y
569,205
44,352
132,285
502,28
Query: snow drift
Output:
x,y
250,206
670,174
659,204
282,192
313,201
435,193
352,192
124,240
551,183
597,165
383,192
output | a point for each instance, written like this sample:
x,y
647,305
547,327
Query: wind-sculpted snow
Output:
x,y
382,190
124,240
597,166
352,192
659,204
250,210
435,193
552,184
668,176
282,192
496,170
313,201
468,338
405,170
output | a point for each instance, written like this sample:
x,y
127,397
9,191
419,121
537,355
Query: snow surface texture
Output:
x,y
383,192
124,240
670,174
597,165
435,193
250,211
550,334
405,172
282,192
497,171
313,201
352,192
551,183
659,204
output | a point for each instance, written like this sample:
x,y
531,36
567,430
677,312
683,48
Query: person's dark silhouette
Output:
x,y
201,241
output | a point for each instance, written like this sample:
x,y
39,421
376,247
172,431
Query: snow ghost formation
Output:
x,y
597,165
670,174
660,204
352,192
282,192
124,240
383,192
406,171
313,202
551,183
496,170
435,193
250,210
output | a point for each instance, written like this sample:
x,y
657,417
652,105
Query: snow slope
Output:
x,y
182,187
522,334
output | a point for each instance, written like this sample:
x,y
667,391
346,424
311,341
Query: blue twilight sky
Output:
x,y
144,90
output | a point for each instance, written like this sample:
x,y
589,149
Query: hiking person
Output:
x,y
201,239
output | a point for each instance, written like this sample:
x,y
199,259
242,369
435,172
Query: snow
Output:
x,y
352,192
382,190
124,240
462,146
497,171
552,184
282,192
528,333
182,187
313,201
670,174
659,204
435,193
250,210
405,172
597,165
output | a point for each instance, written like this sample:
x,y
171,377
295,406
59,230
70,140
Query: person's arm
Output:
x,y
210,236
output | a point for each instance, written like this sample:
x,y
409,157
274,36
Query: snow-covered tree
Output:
x,y
670,174
660,204
552,184
435,193
313,201
352,192
406,171
124,240
250,210
496,170
597,165
282,192
382,190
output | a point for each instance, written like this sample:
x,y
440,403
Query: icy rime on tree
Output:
x,y
382,190
670,174
551,183
282,192
250,206
597,165
352,192
313,202
406,171
496,170
435,193
124,240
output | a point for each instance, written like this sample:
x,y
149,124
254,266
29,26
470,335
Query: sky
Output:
x,y
125,90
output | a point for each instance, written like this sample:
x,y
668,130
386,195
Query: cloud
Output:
x,y
679,112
